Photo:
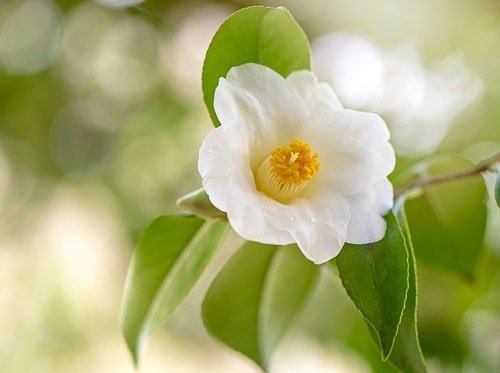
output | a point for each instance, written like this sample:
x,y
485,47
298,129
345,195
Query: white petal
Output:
x,y
215,163
315,94
384,196
353,150
248,210
272,91
258,108
318,225
367,127
366,224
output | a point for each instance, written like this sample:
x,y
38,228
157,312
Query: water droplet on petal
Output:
x,y
314,219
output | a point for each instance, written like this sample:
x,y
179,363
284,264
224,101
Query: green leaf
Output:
x,y
267,36
256,297
444,300
448,221
375,277
172,253
406,353
497,188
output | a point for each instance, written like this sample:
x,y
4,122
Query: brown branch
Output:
x,y
482,166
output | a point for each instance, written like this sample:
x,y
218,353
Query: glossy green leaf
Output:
x,y
268,36
406,353
172,253
448,221
256,297
375,277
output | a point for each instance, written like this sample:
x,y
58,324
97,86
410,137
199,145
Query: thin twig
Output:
x,y
482,166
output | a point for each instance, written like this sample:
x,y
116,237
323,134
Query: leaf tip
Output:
x,y
134,350
385,354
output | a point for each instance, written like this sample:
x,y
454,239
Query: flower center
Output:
x,y
287,171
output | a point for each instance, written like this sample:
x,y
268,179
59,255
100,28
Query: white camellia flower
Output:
x,y
290,165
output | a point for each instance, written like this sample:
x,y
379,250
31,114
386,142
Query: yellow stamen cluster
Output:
x,y
295,163
287,170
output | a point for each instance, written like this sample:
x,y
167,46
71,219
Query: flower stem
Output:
x,y
482,166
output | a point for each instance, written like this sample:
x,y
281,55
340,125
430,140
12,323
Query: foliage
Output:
x,y
375,276
267,307
172,254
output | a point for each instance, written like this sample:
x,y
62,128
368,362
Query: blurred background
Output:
x,y
101,117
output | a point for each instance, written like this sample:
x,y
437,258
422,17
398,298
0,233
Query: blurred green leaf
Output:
x,y
255,298
268,36
445,339
406,353
375,277
497,188
444,299
172,253
448,221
